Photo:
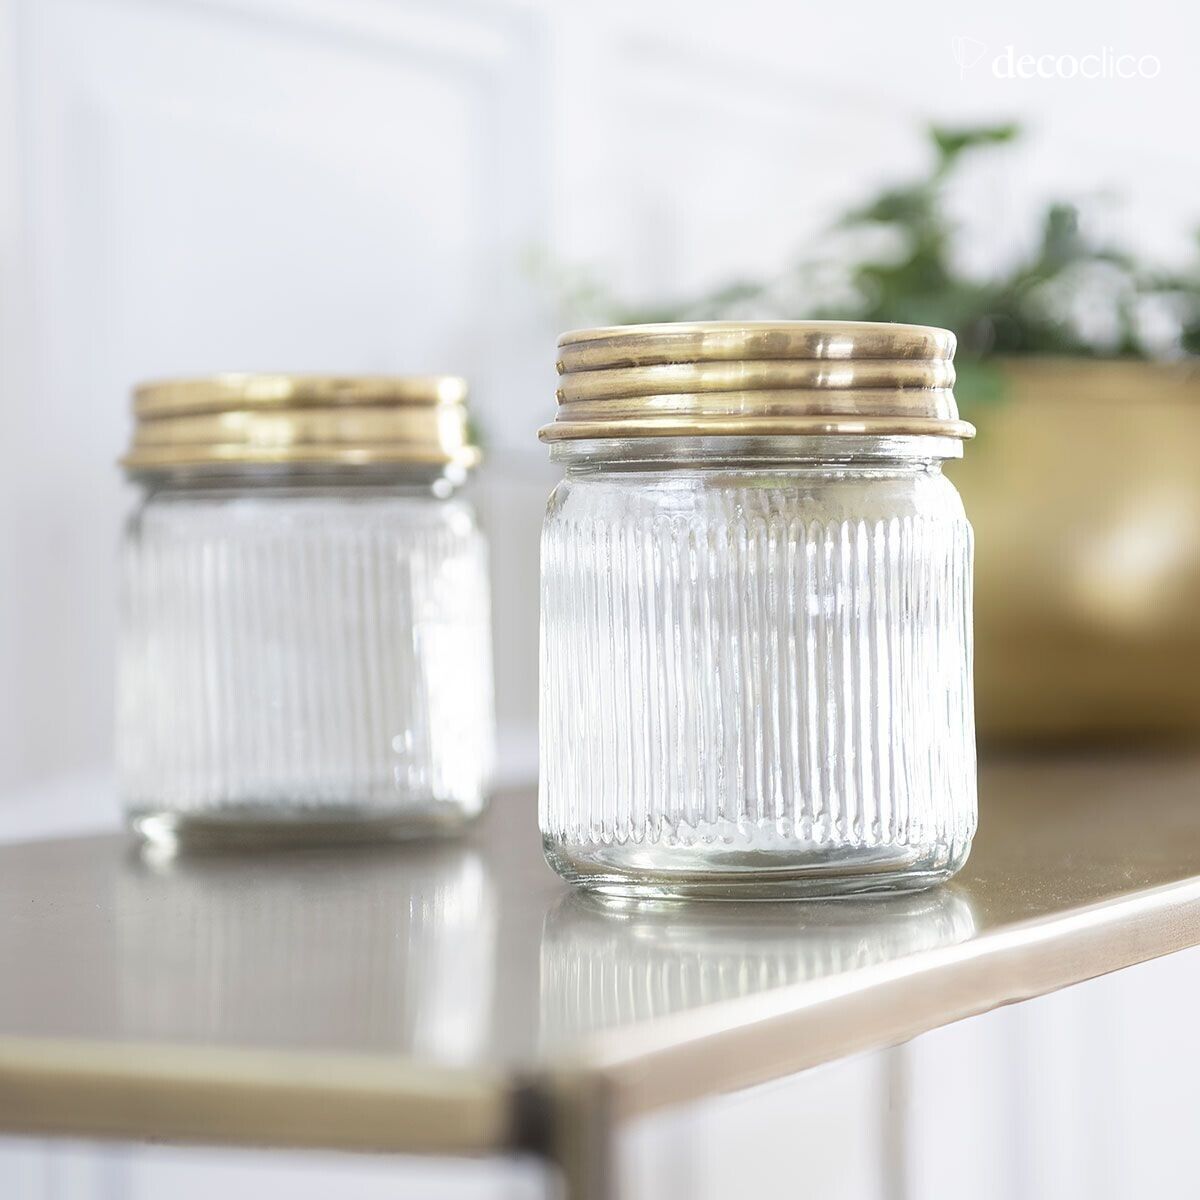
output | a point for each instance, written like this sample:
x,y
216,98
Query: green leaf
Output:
x,y
951,143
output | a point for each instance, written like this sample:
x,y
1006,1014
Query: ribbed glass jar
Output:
x,y
303,656
756,666
305,647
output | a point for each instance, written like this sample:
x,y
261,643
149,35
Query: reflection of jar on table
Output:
x,y
605,966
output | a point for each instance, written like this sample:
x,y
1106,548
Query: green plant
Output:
x,y
1031,308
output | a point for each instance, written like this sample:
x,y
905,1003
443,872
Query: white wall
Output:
x,y
352,185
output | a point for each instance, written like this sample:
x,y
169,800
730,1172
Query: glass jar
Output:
x,y
304,650
756,613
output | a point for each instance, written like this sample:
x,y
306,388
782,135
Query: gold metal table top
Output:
x,y
457,999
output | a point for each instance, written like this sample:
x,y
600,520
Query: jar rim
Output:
x,y
441,478
758,450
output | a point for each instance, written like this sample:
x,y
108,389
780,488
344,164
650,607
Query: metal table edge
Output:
x,y
770,1035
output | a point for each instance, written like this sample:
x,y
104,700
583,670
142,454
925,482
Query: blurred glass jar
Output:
x,y
305,646
756,613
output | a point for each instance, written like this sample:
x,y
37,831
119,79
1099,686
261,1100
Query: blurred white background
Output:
x,y
199,185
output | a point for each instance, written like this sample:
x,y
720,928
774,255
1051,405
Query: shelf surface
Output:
x,y
455,998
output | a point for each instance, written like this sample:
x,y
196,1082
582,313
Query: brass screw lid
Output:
x,y
759,377
257,419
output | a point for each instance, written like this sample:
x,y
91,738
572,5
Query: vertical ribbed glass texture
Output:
x,y
293,657
756,679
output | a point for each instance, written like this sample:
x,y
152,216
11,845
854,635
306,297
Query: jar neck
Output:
x,y
751,453
433,480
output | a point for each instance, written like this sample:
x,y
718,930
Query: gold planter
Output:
x,y
1084,489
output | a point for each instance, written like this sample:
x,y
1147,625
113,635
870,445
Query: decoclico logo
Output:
x,y
1010,63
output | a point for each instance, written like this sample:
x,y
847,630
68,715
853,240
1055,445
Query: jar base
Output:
x,y
253,826
634,872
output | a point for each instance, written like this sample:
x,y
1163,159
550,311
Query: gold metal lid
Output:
x,y
271,419
759,377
